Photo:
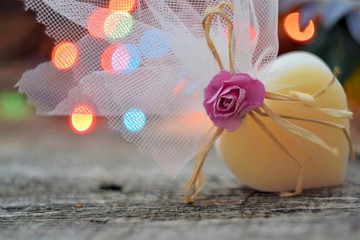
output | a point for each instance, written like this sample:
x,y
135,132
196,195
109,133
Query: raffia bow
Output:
x,y
196,181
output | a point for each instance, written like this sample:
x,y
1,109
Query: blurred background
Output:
x,y
329,29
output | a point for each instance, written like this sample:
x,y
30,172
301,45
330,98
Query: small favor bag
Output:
x,y
175,76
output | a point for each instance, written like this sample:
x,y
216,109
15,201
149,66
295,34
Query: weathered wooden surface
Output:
x,y
57,185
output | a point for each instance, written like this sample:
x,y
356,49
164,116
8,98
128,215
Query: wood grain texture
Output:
x,y
57,185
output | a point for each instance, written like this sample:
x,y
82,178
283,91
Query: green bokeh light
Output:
x,y
13,106
118,25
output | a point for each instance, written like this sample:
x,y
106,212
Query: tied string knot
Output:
x,y
196,181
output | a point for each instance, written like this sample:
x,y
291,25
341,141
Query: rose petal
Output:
x,y
215,96
241,97
216,83
231,93
243,109
228,89
256,93
225,103
230,124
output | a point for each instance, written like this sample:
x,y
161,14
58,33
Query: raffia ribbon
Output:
x,y
196,181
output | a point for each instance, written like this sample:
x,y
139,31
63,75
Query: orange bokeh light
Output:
x,y
179,88
65,55
253,34
96,21
82,120
292,28
106,58
122,5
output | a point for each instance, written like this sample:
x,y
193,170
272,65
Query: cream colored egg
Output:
x,y
259,163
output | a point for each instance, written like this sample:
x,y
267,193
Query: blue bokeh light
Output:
x,y
192,88
135,58
126,58
134,120
153,44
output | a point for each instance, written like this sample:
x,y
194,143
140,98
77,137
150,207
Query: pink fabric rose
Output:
x,y
228,98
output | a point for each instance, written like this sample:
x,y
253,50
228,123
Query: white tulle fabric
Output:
x,y
169,88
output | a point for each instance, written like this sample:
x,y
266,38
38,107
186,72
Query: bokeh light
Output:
x,y
120,59
193,89
96,22
126,58
292,28
153,44
106,57
65,55
251,28
118,25
82,120
179,88
13,106
135,58
122,5
253,33
134,120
